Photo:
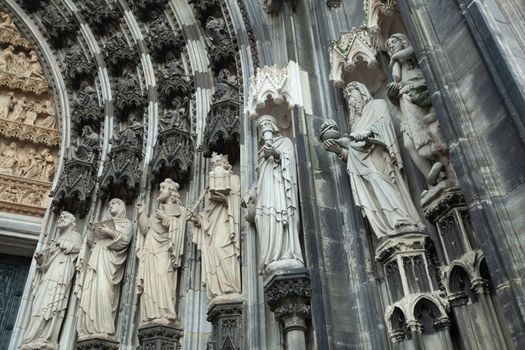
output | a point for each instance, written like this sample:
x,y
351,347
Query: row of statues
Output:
x,y
100,257
20,64
28,163
23,110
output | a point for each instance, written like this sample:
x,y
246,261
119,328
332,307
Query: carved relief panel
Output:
x,y
28,126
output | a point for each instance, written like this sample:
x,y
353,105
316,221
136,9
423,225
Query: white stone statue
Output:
x,y
421,132
374,163
55,272
217,229
99,283
9,160
7,57
276,204
160,256
7,105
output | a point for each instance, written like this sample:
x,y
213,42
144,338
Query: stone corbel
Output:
x,y
275,91
353,57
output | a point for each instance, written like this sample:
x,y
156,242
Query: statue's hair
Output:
x,y
71,216
401,37
173,187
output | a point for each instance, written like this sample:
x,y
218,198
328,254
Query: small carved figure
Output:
x,y
7,56
160,256
177,118
421,132
216,29
35,69
131,135
373,163
19,110
99,283
9,194
34,199
276,206
217,230
47,165
9,160
6,23
55,271
87,146
29,165
30,113
50,120
7,106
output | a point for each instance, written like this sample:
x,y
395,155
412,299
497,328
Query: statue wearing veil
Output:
x,y
55,272
217,229
373,163
99,283
160,256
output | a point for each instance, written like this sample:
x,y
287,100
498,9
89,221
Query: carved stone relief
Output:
x,y
28,126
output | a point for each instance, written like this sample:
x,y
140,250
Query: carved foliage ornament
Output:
x,y
118,53
78,67
101,15
174,83
129,95
86,109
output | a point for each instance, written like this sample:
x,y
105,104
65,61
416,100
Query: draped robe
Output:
x,y
218,239
276,208
51,292
160,258
378,186
99,293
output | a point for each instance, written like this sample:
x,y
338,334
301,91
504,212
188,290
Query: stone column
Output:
x,y
227,321
287,293
160,337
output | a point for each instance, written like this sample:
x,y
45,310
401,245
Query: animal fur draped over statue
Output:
x,y
373,163
217,230
160,256
99,283
55,272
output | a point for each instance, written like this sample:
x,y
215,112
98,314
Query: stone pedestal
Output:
x,y
160,337
95,342
225,314
287,293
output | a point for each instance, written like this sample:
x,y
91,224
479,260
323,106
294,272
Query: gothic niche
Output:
x,y
73,191
164,42
86,109
173,152
174,84
222,130
129,97
121,172
77,67
58,26
29,137
118,53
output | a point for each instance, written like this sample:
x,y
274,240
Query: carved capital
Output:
x,y
353,57
97,343
160,337
226,318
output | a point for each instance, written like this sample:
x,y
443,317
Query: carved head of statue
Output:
x,y
169,191
267,126
397,42
220,160
66,220
357,96
117,208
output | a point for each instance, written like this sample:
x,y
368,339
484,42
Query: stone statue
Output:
x,y
217,230
87,146
29,166
160,256
99,283
421,133
131,135
35,69
177,118
216,29
9,160
30,113
276,206
7,105
50,120
19,110
7,56
56,268
6,23
373,163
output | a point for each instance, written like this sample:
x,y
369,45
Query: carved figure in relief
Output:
x,y
177,118
421,132
373,163
216,29
160,256
47,165
34,199
7,105
19,110
29,165
99,283
9,194
6,23
217,229
30,113
19,65
35,69
7,56
9,160
131,135
87,145
276,204
55,272
50,120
